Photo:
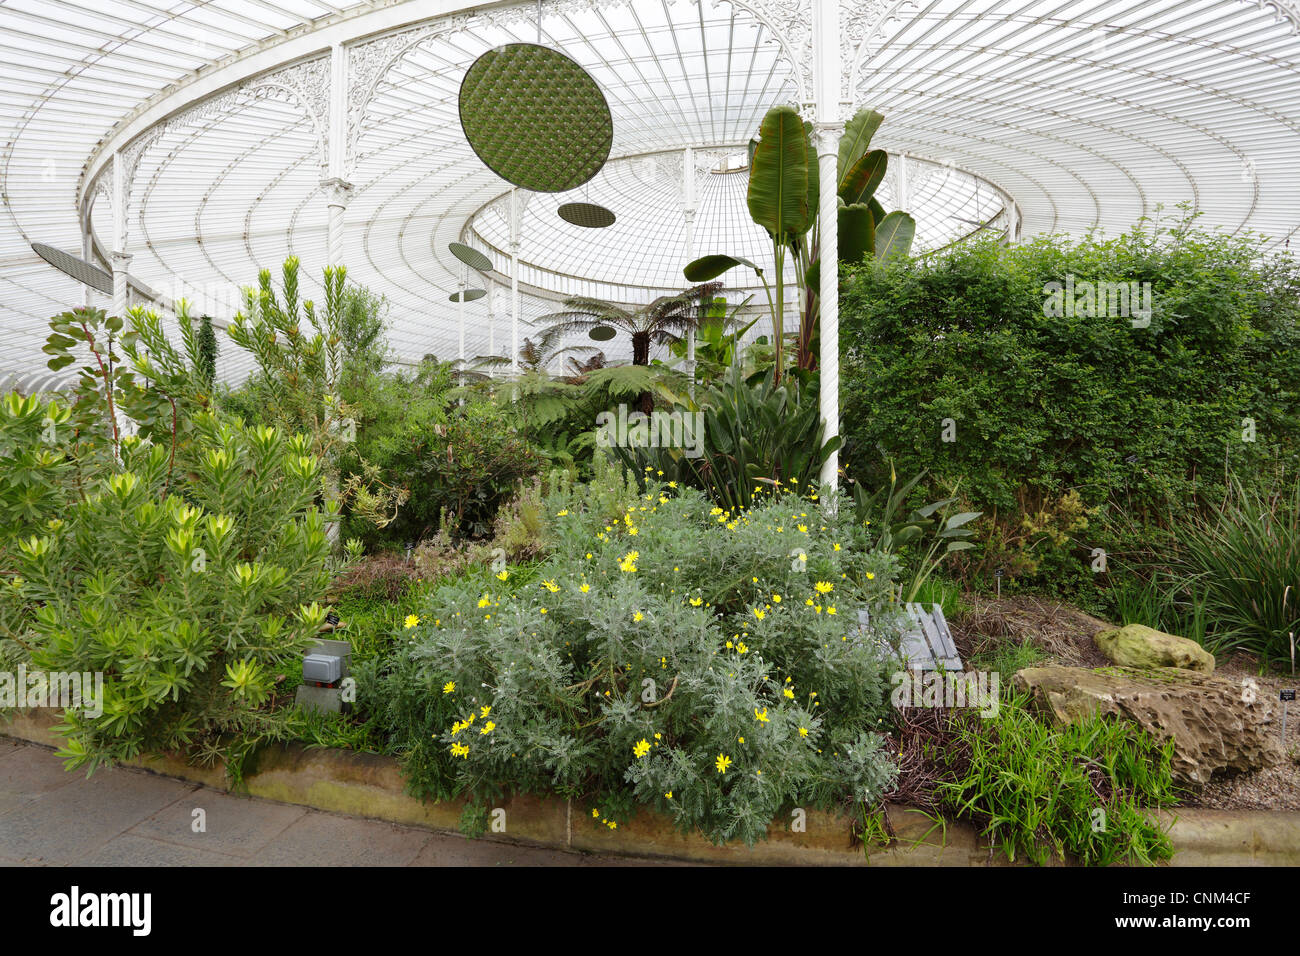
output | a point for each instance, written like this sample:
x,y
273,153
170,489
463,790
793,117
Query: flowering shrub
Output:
x,y
702,662
181,581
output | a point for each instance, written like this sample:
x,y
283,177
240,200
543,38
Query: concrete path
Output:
x,y
128,817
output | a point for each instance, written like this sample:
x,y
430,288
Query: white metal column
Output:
x,y
826,74
492,312
87,251
338,191
121,258
460,315
514,282
688,210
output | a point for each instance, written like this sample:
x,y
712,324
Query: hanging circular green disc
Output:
x,y
85,272
471,257
470,295
586,214
602,333
535,117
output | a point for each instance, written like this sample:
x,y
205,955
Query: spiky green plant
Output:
x,y
1241,568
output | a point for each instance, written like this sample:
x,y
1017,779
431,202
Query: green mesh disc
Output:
x,y
92,275
535,117
470,295
602,333
586,214
471,257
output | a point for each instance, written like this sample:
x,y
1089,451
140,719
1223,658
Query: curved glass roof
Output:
x,y
1060,114
641,256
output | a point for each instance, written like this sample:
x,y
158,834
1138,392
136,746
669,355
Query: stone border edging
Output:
x,y
371,785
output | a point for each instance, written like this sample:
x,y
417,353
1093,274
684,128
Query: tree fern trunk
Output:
x,y
645,402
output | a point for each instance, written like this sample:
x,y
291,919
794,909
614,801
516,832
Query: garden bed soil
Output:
x,y
1065,635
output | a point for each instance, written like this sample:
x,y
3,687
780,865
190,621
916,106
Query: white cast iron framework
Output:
x,y
192,144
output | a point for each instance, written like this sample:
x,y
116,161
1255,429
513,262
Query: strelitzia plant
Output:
x,y
784,198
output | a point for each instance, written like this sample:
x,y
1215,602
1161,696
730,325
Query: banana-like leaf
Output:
x,y
778,178
877,211
857,235
857,140
707,268
894,235
926,510
908,533
814,177
859,183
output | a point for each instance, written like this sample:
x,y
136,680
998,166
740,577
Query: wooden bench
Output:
x,y
926,643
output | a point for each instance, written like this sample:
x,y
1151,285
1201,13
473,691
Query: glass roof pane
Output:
x,y
1069,114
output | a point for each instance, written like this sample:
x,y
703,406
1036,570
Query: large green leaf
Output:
x,y
877,211
710,267
859,183
857,140
857,236
778,178
894,235
814,176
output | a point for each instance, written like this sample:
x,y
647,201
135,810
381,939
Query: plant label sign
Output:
x,y
1287,695
332,619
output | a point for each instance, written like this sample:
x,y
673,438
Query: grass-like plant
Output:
x,y
1241,568
1156,602
1044,792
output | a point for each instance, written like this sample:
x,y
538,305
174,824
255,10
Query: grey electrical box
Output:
x,y
322,668
326,662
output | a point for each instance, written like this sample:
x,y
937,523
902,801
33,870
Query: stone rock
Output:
x,y
1216,723
1136,645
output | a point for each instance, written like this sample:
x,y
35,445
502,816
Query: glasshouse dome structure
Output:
x,y
188,145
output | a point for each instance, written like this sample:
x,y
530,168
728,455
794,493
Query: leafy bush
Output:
x,y
1037,789
680,657
466,466
1140,418
186,583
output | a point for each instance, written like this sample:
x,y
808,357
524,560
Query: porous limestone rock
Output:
x,y
1216,723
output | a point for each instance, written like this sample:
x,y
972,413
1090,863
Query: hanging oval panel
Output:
x,y
586,214
470,295
535,117
602,333
470,256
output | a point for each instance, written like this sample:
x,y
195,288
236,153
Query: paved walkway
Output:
x,y
128,817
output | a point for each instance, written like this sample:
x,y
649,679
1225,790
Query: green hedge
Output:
x,y
1146,418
